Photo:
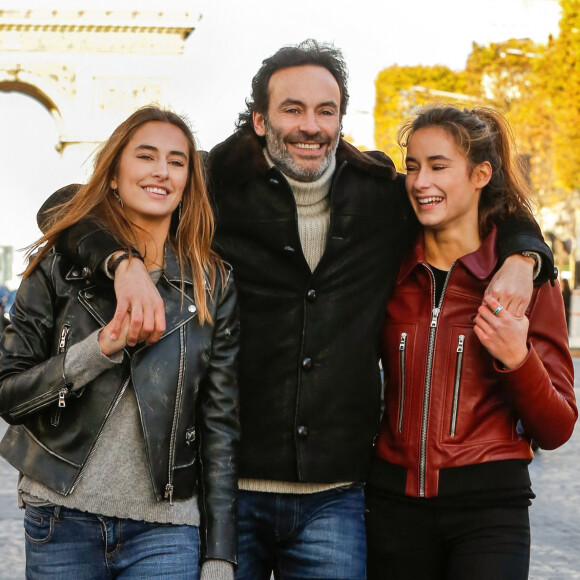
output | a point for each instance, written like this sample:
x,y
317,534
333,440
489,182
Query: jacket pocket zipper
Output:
x,y
456,384
402,371
35,404
63,392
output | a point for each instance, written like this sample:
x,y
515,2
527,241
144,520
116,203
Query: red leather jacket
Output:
x,y
447,403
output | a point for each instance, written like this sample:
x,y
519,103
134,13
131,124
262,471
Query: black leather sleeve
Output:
x,y
219,431
517,235
85,243
30,376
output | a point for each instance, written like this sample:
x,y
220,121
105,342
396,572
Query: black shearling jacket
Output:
x,y
185,385
309,342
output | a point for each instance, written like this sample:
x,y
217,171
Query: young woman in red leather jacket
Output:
x,y
468,384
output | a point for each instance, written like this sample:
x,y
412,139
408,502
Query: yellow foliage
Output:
x,y
536,87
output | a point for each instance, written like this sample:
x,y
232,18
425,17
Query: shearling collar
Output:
x,y
240,158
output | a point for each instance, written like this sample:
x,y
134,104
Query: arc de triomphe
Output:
x,y
91,68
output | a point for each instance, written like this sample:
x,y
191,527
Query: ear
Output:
x,y
259,124
481,174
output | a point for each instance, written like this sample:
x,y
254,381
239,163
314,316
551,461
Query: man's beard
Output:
x,y
284,161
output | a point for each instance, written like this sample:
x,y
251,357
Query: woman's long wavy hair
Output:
x,y
482,134
190,234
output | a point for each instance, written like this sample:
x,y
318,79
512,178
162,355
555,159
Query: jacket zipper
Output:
x,y
169,486
93,449
458,368
47,398
63,391
427,395
402,360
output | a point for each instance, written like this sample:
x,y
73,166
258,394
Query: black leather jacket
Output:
x,y
185,385
309,344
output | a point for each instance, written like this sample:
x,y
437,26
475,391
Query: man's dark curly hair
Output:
x,y
308,52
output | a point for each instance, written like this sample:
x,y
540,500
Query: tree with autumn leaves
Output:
x,y
536,87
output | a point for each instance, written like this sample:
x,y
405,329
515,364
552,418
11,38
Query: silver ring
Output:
x,y
498,310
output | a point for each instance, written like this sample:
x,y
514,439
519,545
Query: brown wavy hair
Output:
x,y
482,134
190,233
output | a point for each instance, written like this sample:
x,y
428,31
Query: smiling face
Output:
x,y
444,191
152,174
302,125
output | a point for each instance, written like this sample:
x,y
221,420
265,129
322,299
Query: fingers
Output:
x,y
138,296
158,324
135,325
120,313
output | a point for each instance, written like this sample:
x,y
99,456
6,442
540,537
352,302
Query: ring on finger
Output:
x,y
498,310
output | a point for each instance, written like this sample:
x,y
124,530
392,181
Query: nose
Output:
x,y
422,180
308,123
161,169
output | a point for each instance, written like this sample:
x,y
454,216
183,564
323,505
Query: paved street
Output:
x,y
555,514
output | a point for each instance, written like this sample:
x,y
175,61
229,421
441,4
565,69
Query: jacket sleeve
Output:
x,y
516,235
85,243
542,387
219,432
30,378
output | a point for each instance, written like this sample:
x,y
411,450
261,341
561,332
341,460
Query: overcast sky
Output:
x,y
226,49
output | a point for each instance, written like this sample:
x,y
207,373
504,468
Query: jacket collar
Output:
x,y
172,272
480,263
241,158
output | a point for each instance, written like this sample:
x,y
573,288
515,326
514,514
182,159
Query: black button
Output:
x,y
274,181
88,295
75,273
289,249
307,363
87,272
302,432
311,295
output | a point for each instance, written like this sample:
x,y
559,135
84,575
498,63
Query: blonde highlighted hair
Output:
x,y
192,224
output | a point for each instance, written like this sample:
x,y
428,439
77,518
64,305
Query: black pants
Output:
x,y
407,541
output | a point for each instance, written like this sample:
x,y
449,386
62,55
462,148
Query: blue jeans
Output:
x,y
67,543
319,535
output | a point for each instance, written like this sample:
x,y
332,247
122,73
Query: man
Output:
x,y
315,231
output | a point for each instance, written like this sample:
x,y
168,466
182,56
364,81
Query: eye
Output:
x,y
144,156
292,111
411,168
177,162
438,167
328,112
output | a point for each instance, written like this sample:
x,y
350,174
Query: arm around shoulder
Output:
x,y
85,243
516,235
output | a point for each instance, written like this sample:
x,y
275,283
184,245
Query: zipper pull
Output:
x,y
169,493
63,335
436,312
460,343
403,341
62,393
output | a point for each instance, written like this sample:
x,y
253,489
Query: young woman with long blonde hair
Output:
x,y
127,454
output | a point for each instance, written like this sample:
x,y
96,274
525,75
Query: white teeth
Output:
x,y
157,190
308,145
426,200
